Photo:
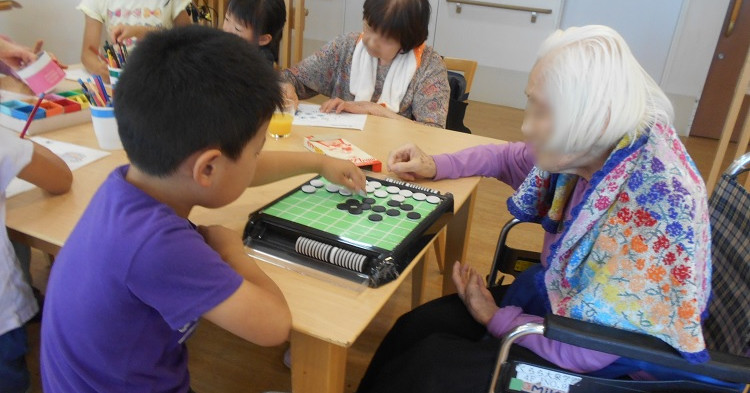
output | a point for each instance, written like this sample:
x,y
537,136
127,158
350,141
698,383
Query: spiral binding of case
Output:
x,y
412,185
331,254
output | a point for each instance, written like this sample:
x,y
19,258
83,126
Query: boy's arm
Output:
x,y
257,310
92,33
48,171
277,165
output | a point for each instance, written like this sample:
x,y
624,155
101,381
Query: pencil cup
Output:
x,y
114,75
105,127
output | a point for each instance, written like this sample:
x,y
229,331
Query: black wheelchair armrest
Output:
x,y
722,366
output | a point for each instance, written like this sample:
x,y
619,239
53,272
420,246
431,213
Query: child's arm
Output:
x,y
277,165
92,33
48,171
257,310
15,55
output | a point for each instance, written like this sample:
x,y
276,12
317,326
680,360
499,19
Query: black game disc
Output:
x,y
378,209
352,202
375,217
393,203
413,215
392,212
369,201
365,206
342,206
407,207
355,210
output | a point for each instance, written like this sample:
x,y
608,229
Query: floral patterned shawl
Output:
x,y
636,252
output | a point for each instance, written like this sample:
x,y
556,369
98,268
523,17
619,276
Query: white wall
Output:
x,y
647,26
676,48
57,22
674,40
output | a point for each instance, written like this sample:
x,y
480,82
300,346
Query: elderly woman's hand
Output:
x,y
409,162
474,293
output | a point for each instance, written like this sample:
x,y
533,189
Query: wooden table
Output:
x,y
327,318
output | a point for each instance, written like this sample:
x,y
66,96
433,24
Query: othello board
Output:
x,y
323,225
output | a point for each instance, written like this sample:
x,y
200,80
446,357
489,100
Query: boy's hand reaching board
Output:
x,y
343,173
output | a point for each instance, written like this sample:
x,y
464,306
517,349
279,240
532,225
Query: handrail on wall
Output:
x,y
503,6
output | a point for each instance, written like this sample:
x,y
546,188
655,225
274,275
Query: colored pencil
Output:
x,y
100,85
31,116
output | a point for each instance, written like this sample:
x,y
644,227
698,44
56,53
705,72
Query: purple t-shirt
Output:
x,y
125,293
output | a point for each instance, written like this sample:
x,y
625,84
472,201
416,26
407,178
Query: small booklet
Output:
x,y
42,75
336,147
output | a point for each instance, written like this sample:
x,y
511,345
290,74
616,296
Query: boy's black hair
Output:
x,y
405,21
264,17
188,89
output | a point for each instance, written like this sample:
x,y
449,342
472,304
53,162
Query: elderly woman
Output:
x,y
387,70
625,216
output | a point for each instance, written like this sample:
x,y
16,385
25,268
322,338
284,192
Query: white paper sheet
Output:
x,y
311,116
73,155
74,74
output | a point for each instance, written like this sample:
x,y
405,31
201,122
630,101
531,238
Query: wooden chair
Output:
x,y
468,68
293,37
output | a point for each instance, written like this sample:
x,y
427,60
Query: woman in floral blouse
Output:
x,y
387,70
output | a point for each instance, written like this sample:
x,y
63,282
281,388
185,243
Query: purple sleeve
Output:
x,y
182,278
567,356
509,163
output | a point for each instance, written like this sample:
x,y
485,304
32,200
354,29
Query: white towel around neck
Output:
x,y
364,73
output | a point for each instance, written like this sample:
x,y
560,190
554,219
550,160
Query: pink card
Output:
x,y
42,75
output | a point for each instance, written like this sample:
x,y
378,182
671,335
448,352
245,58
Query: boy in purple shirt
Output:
x,y
135,275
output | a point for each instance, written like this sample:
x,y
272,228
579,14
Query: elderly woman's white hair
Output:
x,y
597,90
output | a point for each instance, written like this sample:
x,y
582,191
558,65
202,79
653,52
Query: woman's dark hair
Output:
x,y
264,17
405,21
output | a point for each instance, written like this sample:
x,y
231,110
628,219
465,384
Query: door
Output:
x,y
729,57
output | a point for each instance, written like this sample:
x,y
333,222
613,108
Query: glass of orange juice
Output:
x,y
280,125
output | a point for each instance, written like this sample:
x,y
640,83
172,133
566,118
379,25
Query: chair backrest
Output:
x,y
728,326
467,67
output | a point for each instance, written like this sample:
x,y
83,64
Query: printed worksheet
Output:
x,y
74,155
310,115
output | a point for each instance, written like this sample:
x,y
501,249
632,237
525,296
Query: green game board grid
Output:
x,y
318,210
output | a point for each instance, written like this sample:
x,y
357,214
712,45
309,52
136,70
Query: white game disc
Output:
x,y
374,184
419,196
433,199
381,193
345,192
370,189
406,193
316,183
330,187
398,198
308,189
392,189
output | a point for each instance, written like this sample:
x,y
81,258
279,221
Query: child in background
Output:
x,y
125,21
260,22
36,164
135,275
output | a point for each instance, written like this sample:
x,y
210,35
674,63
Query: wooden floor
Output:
x,y
220,362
